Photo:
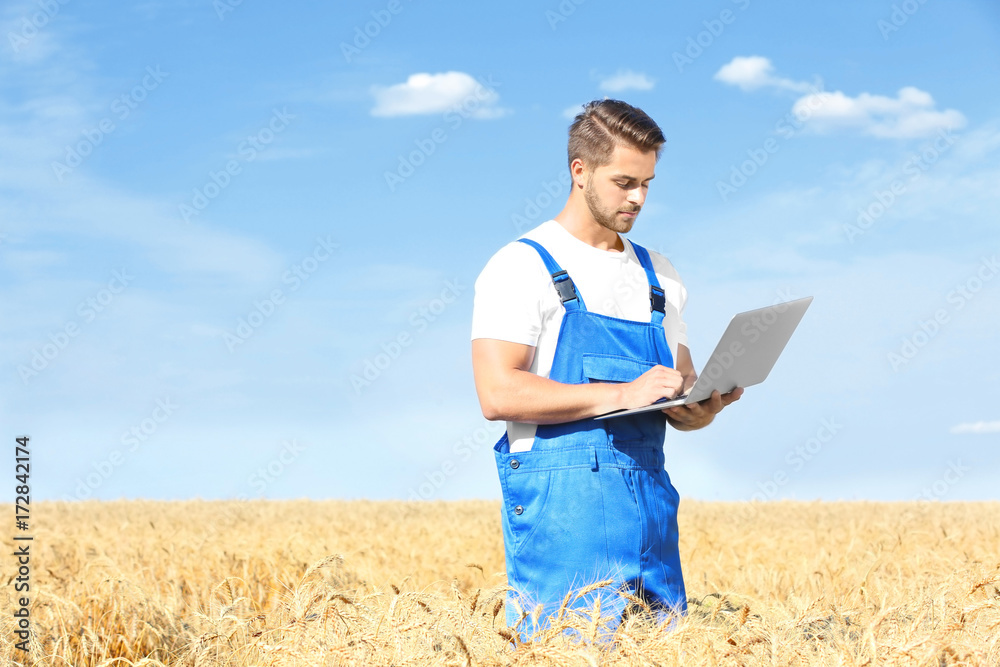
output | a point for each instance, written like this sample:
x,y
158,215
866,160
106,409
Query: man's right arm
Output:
x,y
509,391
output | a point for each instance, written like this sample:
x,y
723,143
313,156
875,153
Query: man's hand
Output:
x,y
699,415
656,383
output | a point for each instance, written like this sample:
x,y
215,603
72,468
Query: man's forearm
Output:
x,y
508,391
527,398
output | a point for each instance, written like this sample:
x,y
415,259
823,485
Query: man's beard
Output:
x,y
607,218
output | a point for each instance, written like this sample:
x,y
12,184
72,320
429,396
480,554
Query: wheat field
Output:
x,y
393,583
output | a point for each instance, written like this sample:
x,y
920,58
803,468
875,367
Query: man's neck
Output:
x,y
583,226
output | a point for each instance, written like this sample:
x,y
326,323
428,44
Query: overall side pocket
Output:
x,y
556,508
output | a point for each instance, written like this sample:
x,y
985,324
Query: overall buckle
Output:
x,y
564,286
657,299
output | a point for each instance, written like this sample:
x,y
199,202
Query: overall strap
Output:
x,y
570,298
657,299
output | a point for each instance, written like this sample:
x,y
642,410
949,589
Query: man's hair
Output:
x,y
604,124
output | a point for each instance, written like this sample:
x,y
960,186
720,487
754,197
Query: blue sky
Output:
x,y
238,242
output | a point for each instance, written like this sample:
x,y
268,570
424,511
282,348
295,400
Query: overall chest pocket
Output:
x,y
613,368
646,429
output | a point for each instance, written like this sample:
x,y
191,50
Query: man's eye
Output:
x,y
623,186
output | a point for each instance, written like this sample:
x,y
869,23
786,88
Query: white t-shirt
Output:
x,y
516,302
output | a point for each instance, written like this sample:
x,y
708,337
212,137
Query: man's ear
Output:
x,y
578,171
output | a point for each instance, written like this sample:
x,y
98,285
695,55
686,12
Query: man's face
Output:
x,y
616,191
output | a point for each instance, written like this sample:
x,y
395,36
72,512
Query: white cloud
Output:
x,y
424,93
626,79
753,72
976,427
909,115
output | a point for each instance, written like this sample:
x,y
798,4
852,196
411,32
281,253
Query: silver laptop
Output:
x,y
745,355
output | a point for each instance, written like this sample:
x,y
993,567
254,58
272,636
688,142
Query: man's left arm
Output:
x,y
696,415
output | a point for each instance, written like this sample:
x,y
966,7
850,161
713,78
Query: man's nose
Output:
x,y
637,196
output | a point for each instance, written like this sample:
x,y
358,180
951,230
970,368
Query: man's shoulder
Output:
x,y
518,262
520,254
661,263
515,253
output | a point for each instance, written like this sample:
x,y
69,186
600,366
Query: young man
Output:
x,y
572,321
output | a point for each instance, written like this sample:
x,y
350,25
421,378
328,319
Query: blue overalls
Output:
x,y
591,500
